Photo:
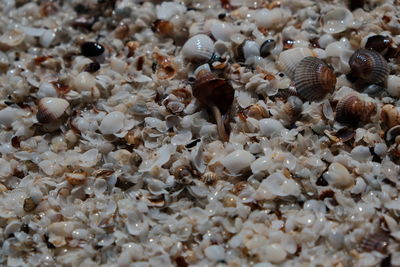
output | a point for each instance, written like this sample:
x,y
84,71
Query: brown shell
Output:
x,y
211,90
369,66
376,241
314,79
351,109
293,108
378,42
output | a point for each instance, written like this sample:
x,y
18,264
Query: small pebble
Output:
x,y
92,49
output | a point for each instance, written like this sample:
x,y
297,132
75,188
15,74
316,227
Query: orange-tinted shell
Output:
x,y
369,66
351,109
211,90
314,79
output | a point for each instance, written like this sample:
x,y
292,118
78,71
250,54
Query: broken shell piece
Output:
x,y
77,177
237,160
270,127
50,109
339,176
337,20
12,38
112,122
393,85
390,115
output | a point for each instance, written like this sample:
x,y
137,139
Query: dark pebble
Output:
x,y
92,49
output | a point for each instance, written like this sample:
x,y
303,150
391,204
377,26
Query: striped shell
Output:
x,y
289,59
50,109
199,49
314,79
292,109
369,66
351,109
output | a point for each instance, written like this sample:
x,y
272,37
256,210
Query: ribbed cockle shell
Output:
x,y
314,79
352,109
51,108
199,49
369,66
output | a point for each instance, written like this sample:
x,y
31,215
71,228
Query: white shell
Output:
x,y
51,108
198,49
270,127
393,85
337,20
215,253
251,49
339,176
275,253
278,185
340,53
237,161
112,122
360,153
222,31
84,81
289,59
272,19
167,10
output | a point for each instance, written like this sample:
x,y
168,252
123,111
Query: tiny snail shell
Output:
x,y
351,109
266,47
76,178
314,79
378,42
50,109
199,49
369,66
390,115
392,133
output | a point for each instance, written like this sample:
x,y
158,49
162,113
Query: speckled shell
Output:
x,y
209,90
314,79
352,110
369,66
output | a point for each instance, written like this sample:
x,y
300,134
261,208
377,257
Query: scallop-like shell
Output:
x,y
337,20
369,66
199,49
209,90
50,109
314,79
289,59
376,241
77,177
351,109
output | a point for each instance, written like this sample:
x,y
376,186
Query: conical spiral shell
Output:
x,y
314,79
369,66
352,110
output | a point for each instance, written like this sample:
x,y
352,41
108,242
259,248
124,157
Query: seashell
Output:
x,y
390,115
270,127
266,47
183,175
237,161
200,49
209,178
215,253
369,66
373,89
351,109
275,18
50,109
379,43
167,10
289,59
275,253
222,30
393,85
92,49
337,20
375,242
112,123
292,109
29,204
84,81
314,79
256,111
12,38
392,133
76,178
163,27
215,93
340,53
338,176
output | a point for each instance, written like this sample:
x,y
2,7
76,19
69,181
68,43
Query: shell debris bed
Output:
x,y
199,133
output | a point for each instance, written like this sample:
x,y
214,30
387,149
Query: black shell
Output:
x,y
369,66
314,79
378,42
